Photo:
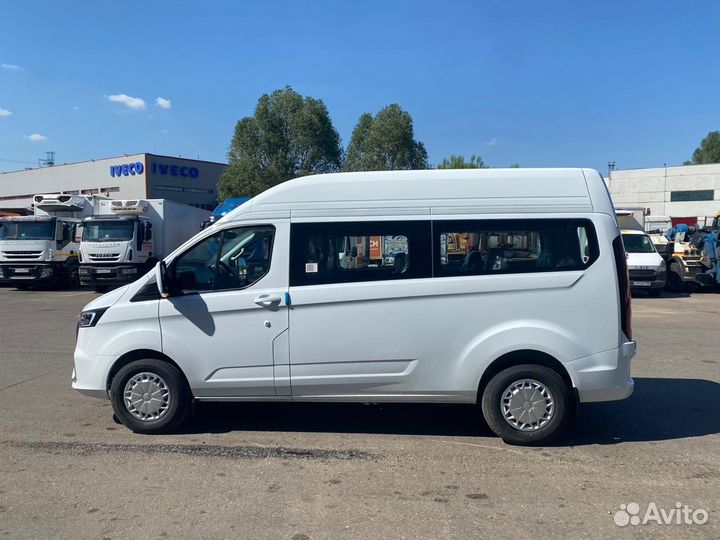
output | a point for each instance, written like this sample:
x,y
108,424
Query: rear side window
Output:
x,y
513,246
322,253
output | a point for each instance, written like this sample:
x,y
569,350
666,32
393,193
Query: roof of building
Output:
x,y
28,169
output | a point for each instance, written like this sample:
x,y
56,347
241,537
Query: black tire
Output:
x,y
179,400
655,293
492,402
73,279
675,283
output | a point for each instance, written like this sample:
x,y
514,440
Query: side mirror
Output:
x,y
161,278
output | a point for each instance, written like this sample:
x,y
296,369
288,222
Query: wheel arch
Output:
x,y
519,357
141,354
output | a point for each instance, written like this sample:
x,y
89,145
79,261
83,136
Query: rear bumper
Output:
x,y
604,376
97,274
31,272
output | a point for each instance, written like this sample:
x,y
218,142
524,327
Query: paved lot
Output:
x,y
354,471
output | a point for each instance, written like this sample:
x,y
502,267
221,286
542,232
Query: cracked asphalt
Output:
x,y
303,471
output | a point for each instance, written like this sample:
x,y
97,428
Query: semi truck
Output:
x,y
127,237
44,247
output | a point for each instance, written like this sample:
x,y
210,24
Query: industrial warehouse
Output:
x,y
685,194
133,176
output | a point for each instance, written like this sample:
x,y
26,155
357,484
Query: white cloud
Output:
x,y
14,67
35,137
4,112
163,103
134,103
491,142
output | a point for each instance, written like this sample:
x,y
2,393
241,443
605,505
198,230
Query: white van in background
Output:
x,y
503,287
646,268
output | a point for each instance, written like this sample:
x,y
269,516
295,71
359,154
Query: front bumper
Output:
x,y
604,376
647,279
97,274
35,272
90,372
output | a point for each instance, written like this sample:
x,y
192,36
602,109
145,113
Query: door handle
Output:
x,y
266,300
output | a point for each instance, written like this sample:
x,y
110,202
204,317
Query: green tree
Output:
x,y
288,136
708,151
385,142
458,162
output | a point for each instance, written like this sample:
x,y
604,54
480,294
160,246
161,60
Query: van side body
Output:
x,y
412,286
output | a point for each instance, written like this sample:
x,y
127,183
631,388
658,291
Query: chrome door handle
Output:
x,y
266,300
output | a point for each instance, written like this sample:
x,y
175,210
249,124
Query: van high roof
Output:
x,y
436,191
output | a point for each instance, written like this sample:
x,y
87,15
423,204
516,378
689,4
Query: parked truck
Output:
x,y
127,237
44,247
709,246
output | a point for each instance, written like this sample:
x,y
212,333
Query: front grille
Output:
x,y
637,275
104,257
10,255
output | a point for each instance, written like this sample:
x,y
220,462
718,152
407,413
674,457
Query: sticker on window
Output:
x,y
311,268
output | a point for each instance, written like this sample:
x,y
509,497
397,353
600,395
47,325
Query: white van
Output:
x,y
646,268
503,287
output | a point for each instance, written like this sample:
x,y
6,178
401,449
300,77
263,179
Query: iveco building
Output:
x,y
136,176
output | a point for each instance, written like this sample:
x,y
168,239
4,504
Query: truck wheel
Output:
x,y
73,279
674,281
150,396
527,404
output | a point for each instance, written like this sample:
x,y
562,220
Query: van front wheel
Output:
x,y
150,396
527,404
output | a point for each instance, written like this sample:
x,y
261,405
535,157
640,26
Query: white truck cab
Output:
x,y
44,247
502,287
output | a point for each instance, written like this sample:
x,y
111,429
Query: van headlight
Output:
x,y
49,255
90,318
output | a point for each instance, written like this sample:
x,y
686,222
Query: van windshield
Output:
x,y
108,231
27,230
638,243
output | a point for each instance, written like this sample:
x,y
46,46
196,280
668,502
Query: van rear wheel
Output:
x,y
150,396
527,404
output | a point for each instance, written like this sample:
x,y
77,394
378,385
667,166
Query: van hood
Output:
x,y
107,299
644,261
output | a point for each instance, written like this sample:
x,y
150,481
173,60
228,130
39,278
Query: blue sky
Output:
x,y
536,83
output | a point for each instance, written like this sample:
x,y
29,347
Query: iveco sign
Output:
x,y
131,169
174,170
127,169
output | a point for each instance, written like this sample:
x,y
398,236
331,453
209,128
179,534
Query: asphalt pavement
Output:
x,y
356,471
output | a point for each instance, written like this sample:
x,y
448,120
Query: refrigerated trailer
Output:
x,y
127,237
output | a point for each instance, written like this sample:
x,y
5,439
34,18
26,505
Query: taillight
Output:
x,y
623,286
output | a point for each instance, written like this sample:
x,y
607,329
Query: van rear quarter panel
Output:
x,y
435,337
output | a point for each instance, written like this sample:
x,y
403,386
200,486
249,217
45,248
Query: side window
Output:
x,y
323,253
513,246
194,270
230,259
244,257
